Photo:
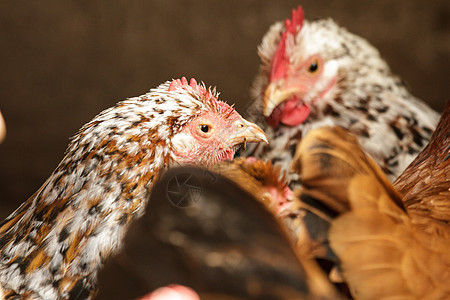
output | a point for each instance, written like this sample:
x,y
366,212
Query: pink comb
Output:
x,y
183,83
207,94
292,26
178,83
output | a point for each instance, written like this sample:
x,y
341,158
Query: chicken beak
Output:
x,y
247,132
274,96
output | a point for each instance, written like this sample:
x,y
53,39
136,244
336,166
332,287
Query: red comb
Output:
x,y
178,83
296,22
183,83
219,105
292,26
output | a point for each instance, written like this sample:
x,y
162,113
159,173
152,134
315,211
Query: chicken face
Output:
x,y
299,74
214,136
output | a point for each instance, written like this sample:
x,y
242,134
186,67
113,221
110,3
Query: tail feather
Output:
x,y
371,254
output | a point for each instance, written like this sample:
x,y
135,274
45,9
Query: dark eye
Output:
x,y
313,67
205,128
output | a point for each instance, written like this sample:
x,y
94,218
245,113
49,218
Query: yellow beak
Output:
x,y
246,132
274,96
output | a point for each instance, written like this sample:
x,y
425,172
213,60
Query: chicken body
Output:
x,y
54,243
391,243
315,74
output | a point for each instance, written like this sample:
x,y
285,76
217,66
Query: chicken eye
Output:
x,y
205,128
313,67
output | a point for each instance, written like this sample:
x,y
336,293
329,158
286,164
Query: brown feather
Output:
x,y
385,250
328,159
425,184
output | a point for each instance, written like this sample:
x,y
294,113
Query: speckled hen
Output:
x,y
53,245
316,73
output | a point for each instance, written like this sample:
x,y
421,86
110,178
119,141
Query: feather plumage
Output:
x,y
54,243
390,243
424,185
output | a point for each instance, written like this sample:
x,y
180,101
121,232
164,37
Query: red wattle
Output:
x,y
290,113
294,113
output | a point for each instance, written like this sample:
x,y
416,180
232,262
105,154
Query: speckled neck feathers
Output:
x,y
53,244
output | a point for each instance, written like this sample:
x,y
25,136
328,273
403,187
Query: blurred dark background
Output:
x,y
62,62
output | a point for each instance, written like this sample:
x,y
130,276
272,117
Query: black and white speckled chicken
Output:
x,y
52,246
316,73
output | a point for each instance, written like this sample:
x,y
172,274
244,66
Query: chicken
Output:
x,y
392,241
54,243
316,74
206,229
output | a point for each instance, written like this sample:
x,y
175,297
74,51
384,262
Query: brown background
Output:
x,y
62,62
